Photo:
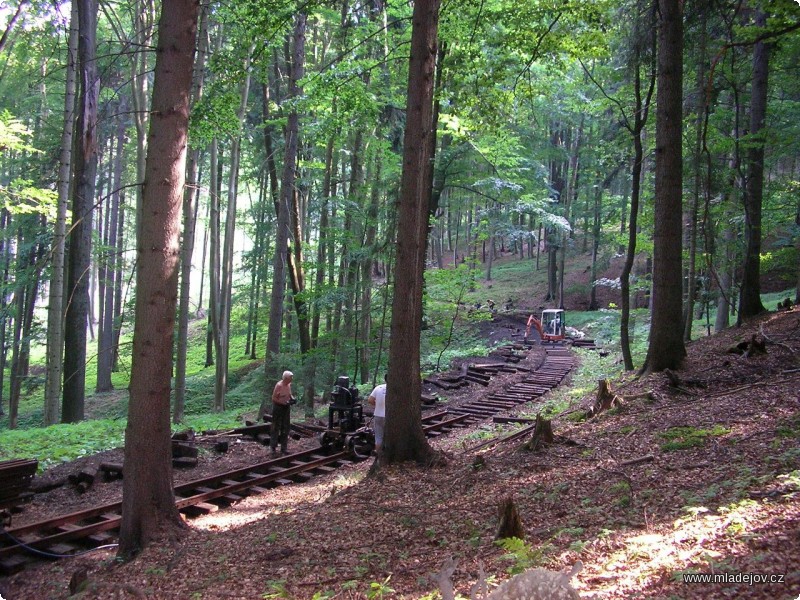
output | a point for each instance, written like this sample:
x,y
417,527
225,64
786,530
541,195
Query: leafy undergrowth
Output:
x,y
641,515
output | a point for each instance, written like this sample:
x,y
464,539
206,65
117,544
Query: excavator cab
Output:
x,y
550,326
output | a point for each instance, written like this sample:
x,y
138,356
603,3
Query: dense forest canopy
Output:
x,y
545,146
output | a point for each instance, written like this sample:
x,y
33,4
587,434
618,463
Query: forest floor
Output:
x,y
702,476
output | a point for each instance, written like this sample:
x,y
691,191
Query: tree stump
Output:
x,y
605,399
756,347
542,435
510,522
79,580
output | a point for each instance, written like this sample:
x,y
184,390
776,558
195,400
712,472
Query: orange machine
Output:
x,y
550,326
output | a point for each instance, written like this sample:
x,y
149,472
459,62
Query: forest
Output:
x,y
197,196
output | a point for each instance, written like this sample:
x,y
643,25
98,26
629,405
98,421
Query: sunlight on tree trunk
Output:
x,y
148,502
405,439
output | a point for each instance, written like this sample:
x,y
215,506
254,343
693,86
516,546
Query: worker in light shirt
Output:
x,y
377,399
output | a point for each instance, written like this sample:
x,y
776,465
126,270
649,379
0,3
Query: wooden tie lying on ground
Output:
x,y
15,479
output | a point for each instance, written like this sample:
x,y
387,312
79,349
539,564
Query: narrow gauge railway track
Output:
x,y
75,532
71,533
558,361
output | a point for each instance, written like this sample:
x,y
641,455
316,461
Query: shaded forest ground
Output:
x,y
716,490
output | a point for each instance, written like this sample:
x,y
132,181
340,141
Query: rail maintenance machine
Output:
x,y
347,426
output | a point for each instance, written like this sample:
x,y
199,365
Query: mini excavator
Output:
x,y
550,326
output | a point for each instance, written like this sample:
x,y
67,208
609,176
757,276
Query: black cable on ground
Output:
x,y
45,554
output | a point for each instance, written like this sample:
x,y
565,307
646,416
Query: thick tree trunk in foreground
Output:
x,y
667,350
148,502
404,439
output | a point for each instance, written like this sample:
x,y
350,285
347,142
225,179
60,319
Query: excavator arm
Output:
x,y
533,322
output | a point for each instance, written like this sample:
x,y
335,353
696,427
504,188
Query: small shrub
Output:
x,y
681,438
522,554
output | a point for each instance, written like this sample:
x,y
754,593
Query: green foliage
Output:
x,y
276,588
14,135
789,428
22,196
790,480
681,438
782,261
522,555
379,589
622,491
61,443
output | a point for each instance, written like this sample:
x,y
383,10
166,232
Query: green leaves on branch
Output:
x,y
21,196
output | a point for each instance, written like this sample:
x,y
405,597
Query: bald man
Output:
x,y
281,410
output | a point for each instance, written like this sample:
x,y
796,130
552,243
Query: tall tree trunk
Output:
x,y
642,111
572,184
105,349
80,239
191,198
5,261
366,268
750,298
596,231
21,7
260,216
214,243
144,24
55,308
200,310
797,245
24,261
289,185
404,438
557,182
223,313
691,217
490,258
348,266
119,269
666,349
272,363
148,501
726,278
324,252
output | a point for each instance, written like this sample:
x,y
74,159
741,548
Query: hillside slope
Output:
x,y
704,477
